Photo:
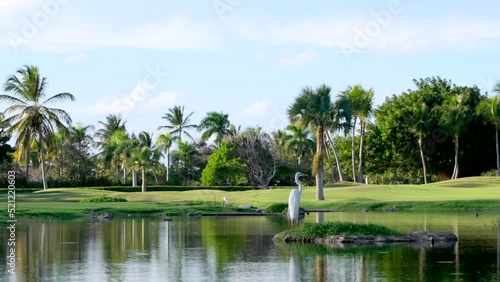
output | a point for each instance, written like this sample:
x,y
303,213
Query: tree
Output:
x,y
299,142
489,108
255,148
32,119
145,156
177,123
358,102
215,124
419,126
164,143
80,135
185,155
455,115
313,108
224,167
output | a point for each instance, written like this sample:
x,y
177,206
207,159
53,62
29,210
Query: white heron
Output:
x,y
294,201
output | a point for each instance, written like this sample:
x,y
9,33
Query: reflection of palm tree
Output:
x,y
314,108
177,123
33,120
294,274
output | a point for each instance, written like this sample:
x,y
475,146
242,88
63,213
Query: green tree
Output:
x,y
358,102
164,143
419,126
489,108
177,122
80,135
299,142
455,115
185,155
314,108
32,118
215,124
146,156
224,167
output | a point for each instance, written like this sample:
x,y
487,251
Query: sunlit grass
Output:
x,y
468,193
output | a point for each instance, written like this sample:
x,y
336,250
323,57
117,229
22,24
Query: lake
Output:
x,y
241,249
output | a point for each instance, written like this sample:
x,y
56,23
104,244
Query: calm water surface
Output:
x,y
241,249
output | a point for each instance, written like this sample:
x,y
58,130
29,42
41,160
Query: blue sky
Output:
x,y
246,58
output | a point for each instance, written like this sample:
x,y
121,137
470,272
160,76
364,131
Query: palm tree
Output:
x,y
419,126
60,139
299,142
313,108
357,101
215,123
112,124
80,135
455,115
32,119
145,156
177,122
489,108
164,142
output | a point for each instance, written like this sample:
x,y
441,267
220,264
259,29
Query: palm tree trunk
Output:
x,y
320,173
498,157
168,164
360,166
455,170
117,174
27,167
143,180
337,159
134,178
353,151
330,161
124,176
42,151
421,147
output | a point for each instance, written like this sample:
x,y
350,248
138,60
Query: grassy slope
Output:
x,y
467,193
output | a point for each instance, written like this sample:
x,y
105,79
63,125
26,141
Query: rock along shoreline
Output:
x,y
431,238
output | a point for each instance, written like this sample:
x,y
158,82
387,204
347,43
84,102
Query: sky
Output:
x,y
248,59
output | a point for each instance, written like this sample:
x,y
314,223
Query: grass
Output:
x,y
476,193
311,231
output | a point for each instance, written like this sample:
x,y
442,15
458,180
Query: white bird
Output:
x,y
294,201
225,201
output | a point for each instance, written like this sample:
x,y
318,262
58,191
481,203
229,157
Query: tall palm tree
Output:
x,y
145,156
215,123
177,123
358,101
32,118
299,142
455,115
112,124
80,135
313,108
60,140
164,143
489,108
419,126
280,138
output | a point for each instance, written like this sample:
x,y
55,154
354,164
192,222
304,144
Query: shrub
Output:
x,y
103,199
276,208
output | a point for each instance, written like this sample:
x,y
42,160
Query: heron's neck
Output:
x,y
300,186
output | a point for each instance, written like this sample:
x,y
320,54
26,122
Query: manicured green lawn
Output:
x,y
476,193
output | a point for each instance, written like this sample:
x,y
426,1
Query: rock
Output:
x,y
131,215
423,236
365,210
167,219
259,211
245,207
391,209
105,216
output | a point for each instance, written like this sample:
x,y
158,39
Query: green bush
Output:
x,y
492,172
311,231
276,208
103,199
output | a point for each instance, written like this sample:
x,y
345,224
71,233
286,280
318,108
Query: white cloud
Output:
x,y
164,100
72,59
260,56
290,59
258,108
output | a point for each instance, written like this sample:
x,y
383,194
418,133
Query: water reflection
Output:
x,y
241,249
